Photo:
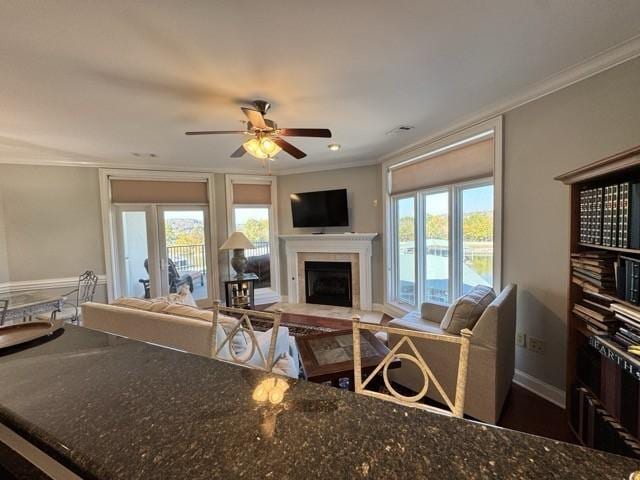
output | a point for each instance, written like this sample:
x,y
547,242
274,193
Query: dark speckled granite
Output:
x,y
109,408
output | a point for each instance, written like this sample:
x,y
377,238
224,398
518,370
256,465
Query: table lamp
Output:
x,y
238,242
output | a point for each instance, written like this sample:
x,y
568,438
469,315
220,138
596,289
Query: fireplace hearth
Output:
x,y
328,283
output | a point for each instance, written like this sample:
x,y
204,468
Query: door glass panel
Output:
x,y
135,254
436,245
254,223
184,232
406,250
477,237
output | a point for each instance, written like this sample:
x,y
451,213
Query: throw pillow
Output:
x,y
158,306
182,297
135,303
466,310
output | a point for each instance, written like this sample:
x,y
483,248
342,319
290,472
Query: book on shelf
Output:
x,y
610,215
595,311
595,326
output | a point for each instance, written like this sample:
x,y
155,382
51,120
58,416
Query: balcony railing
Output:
x,y
188,258
261,248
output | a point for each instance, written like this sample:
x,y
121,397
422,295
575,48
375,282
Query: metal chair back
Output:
x,y
241,327
87,283
456,407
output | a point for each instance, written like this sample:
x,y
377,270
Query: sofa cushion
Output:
x,y
188,311
466,310
135,303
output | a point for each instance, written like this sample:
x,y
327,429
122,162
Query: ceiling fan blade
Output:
x,y
239,152
255,117
290,149
214,132
305,132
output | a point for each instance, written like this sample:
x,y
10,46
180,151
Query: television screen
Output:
x,y
320,209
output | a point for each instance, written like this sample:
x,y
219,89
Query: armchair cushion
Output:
x,y
465,312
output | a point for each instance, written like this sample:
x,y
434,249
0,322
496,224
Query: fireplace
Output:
x,y
328,283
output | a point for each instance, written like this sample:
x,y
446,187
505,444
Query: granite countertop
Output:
x,y
108,408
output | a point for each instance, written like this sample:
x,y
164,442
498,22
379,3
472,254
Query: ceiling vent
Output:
x,y
400,129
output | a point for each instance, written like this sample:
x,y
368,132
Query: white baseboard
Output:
x,y
540,388
45,284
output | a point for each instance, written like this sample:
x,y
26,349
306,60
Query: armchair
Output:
x,y
491,355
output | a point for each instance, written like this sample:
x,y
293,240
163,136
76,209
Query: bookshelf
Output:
x,y
602,378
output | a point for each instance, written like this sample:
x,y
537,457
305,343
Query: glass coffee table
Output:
x,y
329,356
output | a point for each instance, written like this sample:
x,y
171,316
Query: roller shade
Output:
x,y
468,162
143,191
251,194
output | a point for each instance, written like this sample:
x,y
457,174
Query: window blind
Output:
x,y
153,191
467,162
251,194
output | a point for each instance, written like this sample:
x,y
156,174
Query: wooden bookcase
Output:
x,y
616,382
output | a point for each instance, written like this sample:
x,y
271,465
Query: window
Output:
x,y
405,250
254,223
454,253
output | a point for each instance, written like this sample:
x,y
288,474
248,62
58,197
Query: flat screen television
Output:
x,y
320,209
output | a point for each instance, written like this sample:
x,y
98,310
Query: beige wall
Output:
x,y
4,260
364,196
572,127
52,221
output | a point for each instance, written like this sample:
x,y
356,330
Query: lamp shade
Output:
x,y
236,240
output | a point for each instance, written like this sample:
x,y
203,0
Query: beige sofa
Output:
x,y
181,333
491,356
175,331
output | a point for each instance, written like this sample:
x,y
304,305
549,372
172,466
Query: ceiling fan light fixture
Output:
x,y
269,147
253,147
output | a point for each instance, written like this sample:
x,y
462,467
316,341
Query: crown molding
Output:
x,y
318,167
610,58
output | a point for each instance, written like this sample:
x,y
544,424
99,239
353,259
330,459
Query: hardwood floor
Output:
x,y
527,412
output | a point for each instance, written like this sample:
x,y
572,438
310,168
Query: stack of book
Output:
x,y
594,271
628,333
597,314
610,216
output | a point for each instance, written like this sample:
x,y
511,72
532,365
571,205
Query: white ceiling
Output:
x,y
97,80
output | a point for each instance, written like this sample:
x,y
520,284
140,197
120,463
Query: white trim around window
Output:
x,y
265,295
109,230
495,127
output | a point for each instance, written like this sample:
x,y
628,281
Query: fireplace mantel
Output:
x,y
337,243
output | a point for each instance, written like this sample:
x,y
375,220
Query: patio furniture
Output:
x,y
83,293
175,279
411,355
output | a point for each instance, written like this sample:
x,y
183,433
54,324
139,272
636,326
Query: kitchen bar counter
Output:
x,y
112,408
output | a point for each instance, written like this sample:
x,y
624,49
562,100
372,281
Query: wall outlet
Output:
x,y
521,339
535,345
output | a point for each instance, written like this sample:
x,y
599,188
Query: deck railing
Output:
x,y
188,258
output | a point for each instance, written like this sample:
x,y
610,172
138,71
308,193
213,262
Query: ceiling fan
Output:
x,y
266,137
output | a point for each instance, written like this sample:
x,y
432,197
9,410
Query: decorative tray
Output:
x,y
11,335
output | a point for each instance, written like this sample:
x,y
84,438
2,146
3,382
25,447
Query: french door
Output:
x,y
162,248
